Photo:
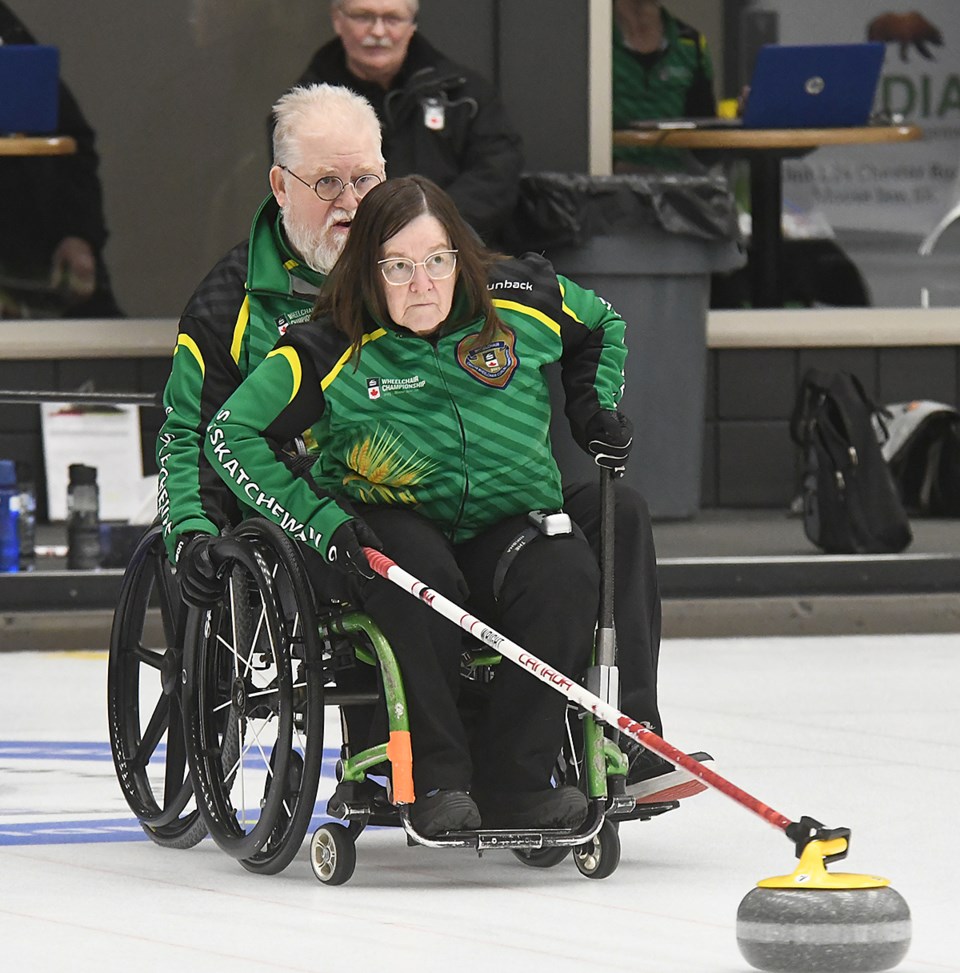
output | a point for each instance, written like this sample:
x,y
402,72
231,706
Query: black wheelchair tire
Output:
x,y
262,564
137,747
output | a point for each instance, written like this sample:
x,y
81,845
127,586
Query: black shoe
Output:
x,y
651,779
554,807
444,811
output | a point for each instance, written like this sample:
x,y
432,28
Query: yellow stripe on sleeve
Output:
x,y
530,312
243,319
346,356
566,310
293,360
185,341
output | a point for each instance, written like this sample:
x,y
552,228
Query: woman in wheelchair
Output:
x,y
421,383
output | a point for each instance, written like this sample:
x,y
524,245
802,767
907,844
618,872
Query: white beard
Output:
x,y
319,247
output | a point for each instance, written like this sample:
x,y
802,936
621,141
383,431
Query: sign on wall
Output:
x,y
902,188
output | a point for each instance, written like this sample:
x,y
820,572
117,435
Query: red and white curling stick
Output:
x,y
388,568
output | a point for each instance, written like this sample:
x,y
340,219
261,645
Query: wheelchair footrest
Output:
x,y
642,812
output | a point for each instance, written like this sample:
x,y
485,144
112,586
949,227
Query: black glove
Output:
x,y
197,564
345,552
609,436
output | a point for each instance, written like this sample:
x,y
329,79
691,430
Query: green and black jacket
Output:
x,y
456,431
233,319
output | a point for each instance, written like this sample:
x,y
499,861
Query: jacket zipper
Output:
x,y
463,444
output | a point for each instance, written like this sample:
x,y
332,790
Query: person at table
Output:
x,y
439,119
430,409
661,69
52,225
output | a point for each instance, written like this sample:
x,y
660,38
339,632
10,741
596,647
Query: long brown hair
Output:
x,y
354,291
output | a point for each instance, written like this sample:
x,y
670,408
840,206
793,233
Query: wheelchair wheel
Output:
x,y
333,855
599,857
541,857
253,671
143,699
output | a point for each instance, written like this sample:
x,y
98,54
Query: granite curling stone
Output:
x,y
856,930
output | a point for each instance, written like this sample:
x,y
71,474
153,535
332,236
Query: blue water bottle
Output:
x,y
9,517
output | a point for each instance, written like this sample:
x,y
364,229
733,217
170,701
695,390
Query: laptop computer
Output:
x,y
29,89
813,85
800,86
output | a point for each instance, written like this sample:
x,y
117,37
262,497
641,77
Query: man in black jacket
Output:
x,y
439,119
52,228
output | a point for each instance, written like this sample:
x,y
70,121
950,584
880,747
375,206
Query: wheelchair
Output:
x,y
217,722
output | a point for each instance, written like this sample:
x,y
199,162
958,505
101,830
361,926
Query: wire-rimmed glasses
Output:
x,y
400,270
329,188
369,20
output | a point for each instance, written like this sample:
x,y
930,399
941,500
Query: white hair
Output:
x,y
414,6
319,108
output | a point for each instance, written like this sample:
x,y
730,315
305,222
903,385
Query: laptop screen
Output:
x,y
29,89
813,85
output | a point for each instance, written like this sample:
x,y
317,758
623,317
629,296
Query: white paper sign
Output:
x,y
104,436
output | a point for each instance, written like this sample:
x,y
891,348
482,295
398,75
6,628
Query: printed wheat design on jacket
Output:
x,y
378,463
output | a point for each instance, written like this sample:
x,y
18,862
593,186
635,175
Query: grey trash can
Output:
x,y
647,244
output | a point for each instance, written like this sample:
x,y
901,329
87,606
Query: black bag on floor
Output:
x,y
923,452
850,500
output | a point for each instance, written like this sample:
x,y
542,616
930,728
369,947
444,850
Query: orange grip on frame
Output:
x,y
400,755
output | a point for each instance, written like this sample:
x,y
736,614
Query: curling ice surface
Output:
x,y
857,731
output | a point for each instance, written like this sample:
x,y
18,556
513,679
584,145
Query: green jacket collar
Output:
x,y
272,267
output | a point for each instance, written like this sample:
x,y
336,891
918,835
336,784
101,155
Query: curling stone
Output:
x,y
815,921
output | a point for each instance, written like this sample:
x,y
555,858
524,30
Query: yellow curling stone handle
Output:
x,y
811,873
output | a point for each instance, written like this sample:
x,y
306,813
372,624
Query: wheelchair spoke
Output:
x,y
153,733
176,755
149,657
171,608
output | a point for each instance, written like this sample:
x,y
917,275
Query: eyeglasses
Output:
x,y
329,188
400,270
368,21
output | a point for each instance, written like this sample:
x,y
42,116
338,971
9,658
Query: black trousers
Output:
x,y
547,604
636,597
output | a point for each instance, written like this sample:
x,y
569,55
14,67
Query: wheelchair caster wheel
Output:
x,y
333,855
541,857
599,857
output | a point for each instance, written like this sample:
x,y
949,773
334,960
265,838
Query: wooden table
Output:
x,y
765,149
37,145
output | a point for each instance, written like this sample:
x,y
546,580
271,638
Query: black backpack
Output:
x,y
850,501
923,452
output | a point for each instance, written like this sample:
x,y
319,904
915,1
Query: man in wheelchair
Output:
x,y
330,137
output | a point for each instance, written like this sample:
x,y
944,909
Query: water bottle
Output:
x,y
83,518
28,516
9,517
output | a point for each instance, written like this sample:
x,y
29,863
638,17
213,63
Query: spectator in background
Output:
x,y
439,119
661,69
52,227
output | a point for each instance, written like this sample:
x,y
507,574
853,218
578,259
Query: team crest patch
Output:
x,y
494,363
